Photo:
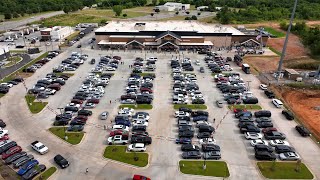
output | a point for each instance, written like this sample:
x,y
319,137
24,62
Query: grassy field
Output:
x,y
284,170
274,32
119,153
18,51
70,38
73,137
46,174
1,95
174,18
13,60
70,19
248,107
209,19
138,106
214,168
34,107
191,106
67,74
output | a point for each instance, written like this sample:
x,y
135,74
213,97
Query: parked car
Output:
x,y
278,142
252,135
283,148
11,151
262,147
14,157
26,167
22,160
140,177
265,155
61,161
303,131
289,156
34,172
191,155
190,147
257,142
183,141
39,147
289,115
212,155
138,147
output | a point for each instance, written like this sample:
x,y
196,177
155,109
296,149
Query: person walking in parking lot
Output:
x,y
214,120
87,170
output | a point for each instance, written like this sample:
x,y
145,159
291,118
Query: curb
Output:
x,y
126,164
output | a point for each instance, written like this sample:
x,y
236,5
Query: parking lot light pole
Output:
x,y
64,127
248,85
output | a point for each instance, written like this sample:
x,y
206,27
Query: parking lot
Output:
x,y
25,127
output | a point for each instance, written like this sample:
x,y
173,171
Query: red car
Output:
x,y
118,132
5,137
76,101
55,86
82,117
94,101
270,129
140,177
117,57
11,152
238,110
146,89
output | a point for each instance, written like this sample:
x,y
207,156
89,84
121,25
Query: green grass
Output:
x,y
214,168
70,38
73,137
302,85
1,95
70,19
119,153
46,174
13,60
274,32
18,51
145,74
67,74
138,106
275,51
34,107
191,106
284,170
248,107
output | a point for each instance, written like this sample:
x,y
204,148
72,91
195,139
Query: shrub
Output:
x,y
124,15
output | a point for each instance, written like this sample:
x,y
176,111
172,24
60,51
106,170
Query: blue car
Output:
x,y
123,122
200,118
26,167
183,141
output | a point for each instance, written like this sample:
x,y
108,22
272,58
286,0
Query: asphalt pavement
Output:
x,y
5,71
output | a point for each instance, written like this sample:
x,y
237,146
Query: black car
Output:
x,y
202,135
2,124
184,109
198,101
265,155
269,94
61,122
243,124
199,113
265,124
139,128
212,155
30,174
141,139
185,128
191,155
289,115
22,160
262,113
210,147
186,134
206,128
61,161
85,112
274,135
262,147
14,157
70,108
190,147
249,128
63,116
7,146
283,149
303,131
184,118
263,119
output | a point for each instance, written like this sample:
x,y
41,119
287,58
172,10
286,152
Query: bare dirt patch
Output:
x,y
263,63
304,103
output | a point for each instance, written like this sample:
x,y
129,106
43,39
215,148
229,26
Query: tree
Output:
x,y
194,17
152,14
154,2
103,21
187,18
15,15
7,16
157,10
117,9
66,9
162,2
124,15
187,12
177,12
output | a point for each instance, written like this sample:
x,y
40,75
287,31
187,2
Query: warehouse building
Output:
x,y
169,35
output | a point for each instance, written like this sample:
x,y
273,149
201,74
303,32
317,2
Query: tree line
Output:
x,y
310,36
16,8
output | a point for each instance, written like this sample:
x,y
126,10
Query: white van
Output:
x,y
277,103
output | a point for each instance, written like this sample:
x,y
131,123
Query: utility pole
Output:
x,y
286,40
261,43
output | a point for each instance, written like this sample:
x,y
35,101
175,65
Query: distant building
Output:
x,y
56,33
172,6
202,8
4,53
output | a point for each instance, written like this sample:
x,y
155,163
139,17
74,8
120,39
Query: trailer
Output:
x,y
246,68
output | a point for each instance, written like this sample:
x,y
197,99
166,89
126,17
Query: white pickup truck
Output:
x,y
118,139
39,147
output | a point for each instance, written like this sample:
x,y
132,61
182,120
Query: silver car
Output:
x,y
21,161
104,115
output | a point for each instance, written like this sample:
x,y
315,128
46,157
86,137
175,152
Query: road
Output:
x,y
165,15
14,24
5,71
25,127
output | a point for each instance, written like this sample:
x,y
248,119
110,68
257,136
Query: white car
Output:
x,y
278,142
289,156
137,147
39,147
128,101
89,105
120,127
181,114
198,123
50,91
3,132
207,141
252,135
141,115
109,68
126,111
263,87
74,105
6,84
258,141
104,115
277,103
152,59
140,123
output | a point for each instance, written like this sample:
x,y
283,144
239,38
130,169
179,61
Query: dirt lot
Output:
x,y
303,103
263,64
